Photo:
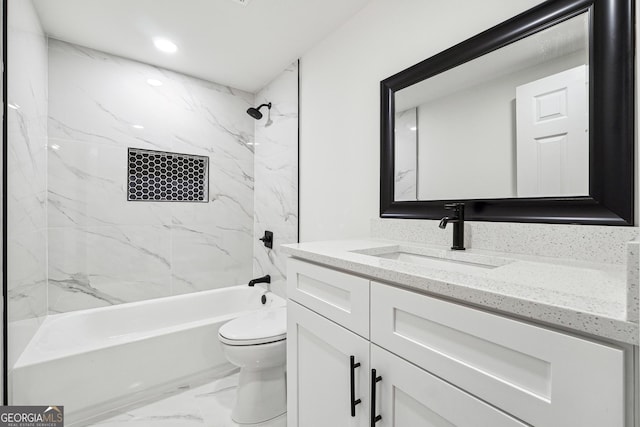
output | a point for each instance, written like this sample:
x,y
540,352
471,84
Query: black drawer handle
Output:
x,y
353,401
374,379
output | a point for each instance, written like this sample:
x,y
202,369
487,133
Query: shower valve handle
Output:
x,y
267,239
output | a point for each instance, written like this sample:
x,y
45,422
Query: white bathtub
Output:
x,y
94,360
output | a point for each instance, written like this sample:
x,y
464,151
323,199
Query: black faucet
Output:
x,y
263,279
458,224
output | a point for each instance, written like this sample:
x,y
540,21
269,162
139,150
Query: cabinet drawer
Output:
x,y
341,297
543,377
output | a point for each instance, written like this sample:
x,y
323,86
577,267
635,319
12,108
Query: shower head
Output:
x,y
255,112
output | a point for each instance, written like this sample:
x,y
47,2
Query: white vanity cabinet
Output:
x,y
440,363
320,375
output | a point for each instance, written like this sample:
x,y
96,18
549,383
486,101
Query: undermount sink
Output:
x,y
438,258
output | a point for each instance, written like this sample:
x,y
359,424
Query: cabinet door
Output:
x,y
408,396
319,372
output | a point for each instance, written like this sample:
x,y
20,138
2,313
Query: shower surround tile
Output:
x,y
99,266
26,275
209,256
276,176
99,106
87,187
27,168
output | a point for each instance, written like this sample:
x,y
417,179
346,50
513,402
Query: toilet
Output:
x,y
257,344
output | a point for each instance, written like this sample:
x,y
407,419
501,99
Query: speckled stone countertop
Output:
x,y
578,295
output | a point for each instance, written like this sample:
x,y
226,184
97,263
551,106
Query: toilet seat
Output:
x,y
264,327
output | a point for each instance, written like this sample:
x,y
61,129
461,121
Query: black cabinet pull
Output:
x,y
353,401
374,379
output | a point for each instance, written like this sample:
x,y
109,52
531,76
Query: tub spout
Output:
x,y
263,279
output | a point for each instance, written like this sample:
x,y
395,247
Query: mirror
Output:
x,y
523,122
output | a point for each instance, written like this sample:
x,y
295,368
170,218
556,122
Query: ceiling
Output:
x,y
223,41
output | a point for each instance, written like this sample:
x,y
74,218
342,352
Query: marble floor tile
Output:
x,y
206,405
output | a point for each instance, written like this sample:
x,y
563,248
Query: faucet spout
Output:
x,y
263,279
443,222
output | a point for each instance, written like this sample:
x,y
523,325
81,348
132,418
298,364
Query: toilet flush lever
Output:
x,y
267,239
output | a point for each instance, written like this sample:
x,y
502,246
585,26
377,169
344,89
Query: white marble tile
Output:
x,y
88,186
27,140
209,256
406,155
207,405
101,104
276,176
26,275
177,411
97,266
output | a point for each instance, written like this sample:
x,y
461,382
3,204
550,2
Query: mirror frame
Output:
x,y
611,120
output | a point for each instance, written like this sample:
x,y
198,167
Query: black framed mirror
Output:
x,y
587,179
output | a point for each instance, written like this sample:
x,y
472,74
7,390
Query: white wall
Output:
x,y
339,101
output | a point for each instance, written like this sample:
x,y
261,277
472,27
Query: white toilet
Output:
x,y
257,344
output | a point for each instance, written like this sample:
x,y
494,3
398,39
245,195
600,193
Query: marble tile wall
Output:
x,y
105,250
406,161
276,176
27,164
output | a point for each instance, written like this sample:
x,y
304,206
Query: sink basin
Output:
x,y
439,259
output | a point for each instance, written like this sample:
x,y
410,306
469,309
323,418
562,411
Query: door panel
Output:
x,y
552,127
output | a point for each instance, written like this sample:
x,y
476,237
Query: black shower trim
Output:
x,y
5,316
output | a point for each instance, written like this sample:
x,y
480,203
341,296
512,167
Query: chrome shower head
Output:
x,y
255,112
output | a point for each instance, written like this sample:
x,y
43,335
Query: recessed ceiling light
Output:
x,y
137,126
13,106
154,82
55,146
165,45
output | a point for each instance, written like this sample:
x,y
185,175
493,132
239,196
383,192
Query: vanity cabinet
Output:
x,y
440,363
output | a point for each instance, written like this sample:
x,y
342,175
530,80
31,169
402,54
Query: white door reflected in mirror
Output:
x,y
553,135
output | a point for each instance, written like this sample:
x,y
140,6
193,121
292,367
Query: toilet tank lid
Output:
x,y
269,323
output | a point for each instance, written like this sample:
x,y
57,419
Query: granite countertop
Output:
x,y
583,296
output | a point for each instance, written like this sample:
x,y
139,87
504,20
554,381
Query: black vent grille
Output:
x,y
159,176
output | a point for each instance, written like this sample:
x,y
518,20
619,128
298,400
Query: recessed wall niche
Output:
x,y
160,176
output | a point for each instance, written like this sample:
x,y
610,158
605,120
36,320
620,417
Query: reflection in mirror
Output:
x,y
512,123
406,155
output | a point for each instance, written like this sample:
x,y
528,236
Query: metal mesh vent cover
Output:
x,y
159,176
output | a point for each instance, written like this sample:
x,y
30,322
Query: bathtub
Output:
x,y
96,360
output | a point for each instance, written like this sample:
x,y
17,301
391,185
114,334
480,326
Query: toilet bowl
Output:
x,y
257,344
